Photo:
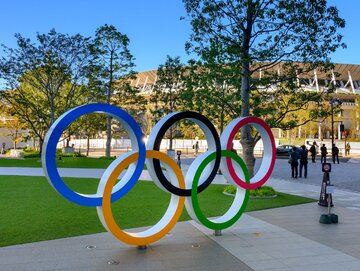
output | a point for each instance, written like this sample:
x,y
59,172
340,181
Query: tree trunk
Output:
x,y
222,109
41,142
52,116
67,141
108,99
247,140
108,136
87,145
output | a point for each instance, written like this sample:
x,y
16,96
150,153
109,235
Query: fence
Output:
x,y
186,145
122,145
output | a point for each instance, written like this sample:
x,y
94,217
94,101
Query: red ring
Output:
x,y
232,172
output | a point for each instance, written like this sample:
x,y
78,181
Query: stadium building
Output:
x,y
344,77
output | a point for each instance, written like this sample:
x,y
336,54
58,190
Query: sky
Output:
x,y
154,27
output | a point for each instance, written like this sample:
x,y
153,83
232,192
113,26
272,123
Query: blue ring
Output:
x,y
53,135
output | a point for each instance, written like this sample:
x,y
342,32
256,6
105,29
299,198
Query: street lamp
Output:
x,y
334,102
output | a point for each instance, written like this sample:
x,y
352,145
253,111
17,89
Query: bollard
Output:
x,y
327,189
178,158
323,199
329,217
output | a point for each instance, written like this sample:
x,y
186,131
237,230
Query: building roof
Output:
x,y
341,72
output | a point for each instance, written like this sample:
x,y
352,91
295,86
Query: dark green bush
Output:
x,y
29,149
33,154
75,154
107,158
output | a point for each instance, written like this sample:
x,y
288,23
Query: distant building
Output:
x,y
344,77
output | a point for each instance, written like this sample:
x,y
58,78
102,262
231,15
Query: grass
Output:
x,y
31,210
65,162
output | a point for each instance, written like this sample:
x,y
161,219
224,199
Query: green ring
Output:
x,y
194,199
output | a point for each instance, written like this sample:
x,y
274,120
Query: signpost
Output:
x,y
327,190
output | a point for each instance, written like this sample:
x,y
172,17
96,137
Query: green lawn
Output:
x,y
30,209
65,162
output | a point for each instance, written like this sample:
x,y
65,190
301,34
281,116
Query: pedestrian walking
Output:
x,y
196,147
323,152
335,153
313,152
293,160
347,149
303,155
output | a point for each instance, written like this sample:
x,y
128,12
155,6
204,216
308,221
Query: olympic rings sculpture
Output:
x,y
183,190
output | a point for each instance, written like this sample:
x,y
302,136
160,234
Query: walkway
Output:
x,y
283,239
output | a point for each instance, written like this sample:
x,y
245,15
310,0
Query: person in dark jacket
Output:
x,y
294,156
335,153
313,152
303,155
323,151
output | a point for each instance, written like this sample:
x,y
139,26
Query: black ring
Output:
x,y
158,171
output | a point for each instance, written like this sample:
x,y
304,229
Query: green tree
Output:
x,y
256,35
44,79
209,90
129,99
15,131
90,126
167,90
112,65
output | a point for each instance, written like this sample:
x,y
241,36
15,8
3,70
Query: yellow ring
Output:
x,y
142,238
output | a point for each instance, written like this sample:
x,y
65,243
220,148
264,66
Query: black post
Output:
x,y
325,198
332,123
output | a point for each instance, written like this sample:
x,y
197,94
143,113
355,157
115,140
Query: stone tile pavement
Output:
x,y
282,239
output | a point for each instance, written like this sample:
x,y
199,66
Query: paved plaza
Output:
x,y
283,239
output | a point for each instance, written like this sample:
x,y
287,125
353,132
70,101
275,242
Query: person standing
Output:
x,y
303,154
197,148
335,153
3,148
323,151
313,152
294,157
347,149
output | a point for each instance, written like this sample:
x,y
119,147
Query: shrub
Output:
x,y
75,154
263,191
107,158
29,149
34,154
230,189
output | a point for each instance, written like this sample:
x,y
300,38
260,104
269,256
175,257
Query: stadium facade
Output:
x,y
344,77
